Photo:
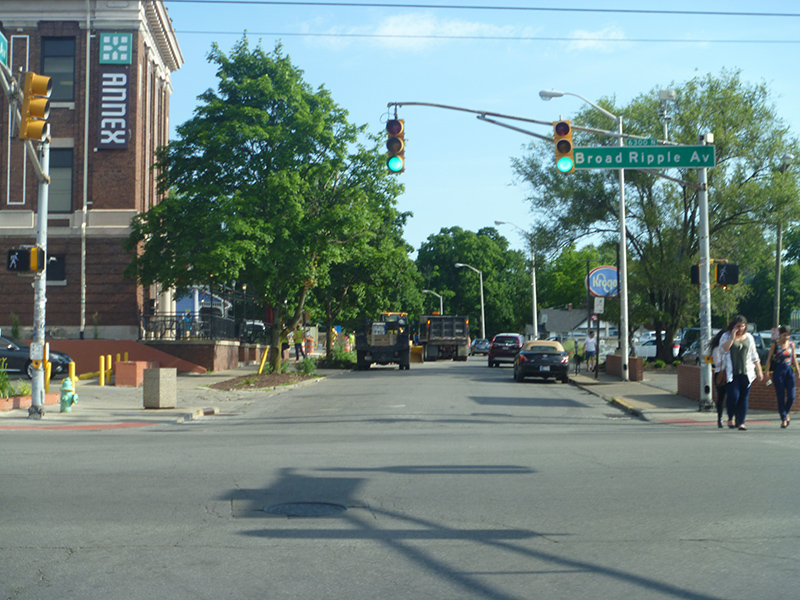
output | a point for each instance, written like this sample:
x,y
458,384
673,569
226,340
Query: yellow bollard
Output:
x,y
72,374
108,367
118,357
48,371
126,357
102,370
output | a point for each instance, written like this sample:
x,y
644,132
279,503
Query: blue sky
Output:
x,y
488,56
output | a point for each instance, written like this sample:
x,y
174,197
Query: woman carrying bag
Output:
x,y
783,363
742,366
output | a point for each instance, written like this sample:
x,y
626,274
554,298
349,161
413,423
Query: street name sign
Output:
x,y
645,157
3,49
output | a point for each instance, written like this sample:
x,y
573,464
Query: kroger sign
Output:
x,y
603,281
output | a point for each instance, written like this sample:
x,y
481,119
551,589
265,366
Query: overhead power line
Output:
x,y
485,37
640,11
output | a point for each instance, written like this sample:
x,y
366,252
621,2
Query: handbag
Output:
x,y
721,378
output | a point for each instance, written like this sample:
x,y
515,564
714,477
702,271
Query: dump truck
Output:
x,y
383,342
444,336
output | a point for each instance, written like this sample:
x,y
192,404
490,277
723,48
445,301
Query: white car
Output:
x,y
648,349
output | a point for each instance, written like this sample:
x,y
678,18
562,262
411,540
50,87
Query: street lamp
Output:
x,y
786,162
623,252
483,320
441,309
533,278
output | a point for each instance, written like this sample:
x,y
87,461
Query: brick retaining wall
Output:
x,y
762,396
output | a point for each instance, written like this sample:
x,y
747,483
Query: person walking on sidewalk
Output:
x,y
720,378
782,360
590,352
742,366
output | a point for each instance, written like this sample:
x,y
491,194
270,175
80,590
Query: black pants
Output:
x,y
298,350
720,399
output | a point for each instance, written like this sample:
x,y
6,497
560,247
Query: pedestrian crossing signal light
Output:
x,y
35,107
25,260
396,145
562,136
726,274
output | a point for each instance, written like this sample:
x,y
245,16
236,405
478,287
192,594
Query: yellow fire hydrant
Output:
x,y
68,395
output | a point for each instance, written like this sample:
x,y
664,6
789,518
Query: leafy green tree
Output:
x,y
506,278
270,185
376,275
662,216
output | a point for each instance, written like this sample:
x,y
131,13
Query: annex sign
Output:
x,y
113,116
645,157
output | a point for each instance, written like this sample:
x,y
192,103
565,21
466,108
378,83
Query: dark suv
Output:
x,y
504,348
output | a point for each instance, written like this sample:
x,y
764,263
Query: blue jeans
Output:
x,y
738,392
783,380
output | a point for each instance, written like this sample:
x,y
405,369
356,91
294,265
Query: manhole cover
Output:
x,y
305,509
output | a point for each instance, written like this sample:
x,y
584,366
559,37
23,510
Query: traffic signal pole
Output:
x,y
41,166
705,284
36,410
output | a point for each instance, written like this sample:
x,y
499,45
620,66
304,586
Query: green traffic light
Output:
x,y
565,164
394,164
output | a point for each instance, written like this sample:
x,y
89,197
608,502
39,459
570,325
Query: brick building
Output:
x,y
108,116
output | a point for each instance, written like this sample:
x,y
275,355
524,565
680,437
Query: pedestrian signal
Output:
x,y
35,107
562,136
396,145
726,274
25,260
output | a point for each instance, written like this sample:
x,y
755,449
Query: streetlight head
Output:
x,y
548,94
426,291
460,265
787,158
499,222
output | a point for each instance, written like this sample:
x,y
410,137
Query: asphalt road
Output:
x,y
448,481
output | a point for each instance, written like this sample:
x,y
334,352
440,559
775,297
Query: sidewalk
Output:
x,y
656,399
112,407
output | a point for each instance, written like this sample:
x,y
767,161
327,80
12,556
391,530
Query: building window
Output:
x,y
56,269
58,62
60,195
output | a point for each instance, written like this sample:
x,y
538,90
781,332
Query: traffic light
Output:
x,y
25,260
35,107
396,145
726,274
562,136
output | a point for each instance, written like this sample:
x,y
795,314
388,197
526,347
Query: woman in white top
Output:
x,y
720,381
742,366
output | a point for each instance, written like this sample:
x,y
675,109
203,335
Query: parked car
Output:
x,y
18,359
648,349
693,355
541,358
479,346
504,348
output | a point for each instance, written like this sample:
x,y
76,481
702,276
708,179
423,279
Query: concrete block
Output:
x,y
160,388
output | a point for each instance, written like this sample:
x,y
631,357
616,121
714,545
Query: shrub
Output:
x,y
308,367
6,389
659,364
